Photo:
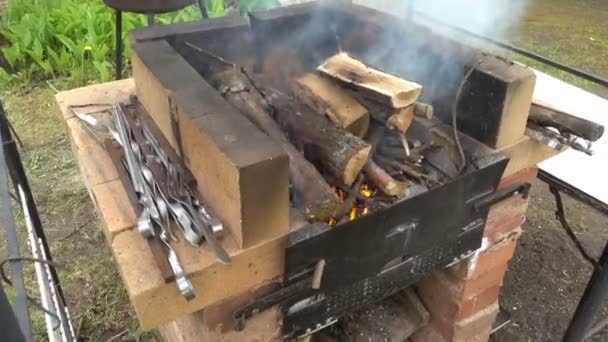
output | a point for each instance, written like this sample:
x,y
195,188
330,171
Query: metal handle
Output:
x,y
501,195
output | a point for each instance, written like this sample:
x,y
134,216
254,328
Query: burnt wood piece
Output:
x,y
495,101
342,153
376,174
385,88
408,170
327,98
312,193
565,122
399,119
424,110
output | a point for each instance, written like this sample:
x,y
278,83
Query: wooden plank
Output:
x,y
155,301
327,98
524,154
500,97
388,89
234,163
104,93
263,327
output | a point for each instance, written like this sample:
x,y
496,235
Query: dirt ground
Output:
x,y
541,289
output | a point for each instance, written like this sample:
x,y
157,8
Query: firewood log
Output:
x,y
565,122
374,84
399,119
377,175
326,97
423,110
383,180
342,153
313,196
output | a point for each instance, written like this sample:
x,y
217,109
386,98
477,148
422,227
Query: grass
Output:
x,y
560,29
574,32
98,301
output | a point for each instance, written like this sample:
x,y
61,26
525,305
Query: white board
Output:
x,y
587,173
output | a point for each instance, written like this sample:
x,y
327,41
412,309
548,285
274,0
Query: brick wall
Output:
x,y
463,300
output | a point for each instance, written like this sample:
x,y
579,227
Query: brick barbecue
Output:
x,y
452,237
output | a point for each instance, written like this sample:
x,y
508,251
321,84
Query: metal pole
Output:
x,y
591,302
118,43
20,301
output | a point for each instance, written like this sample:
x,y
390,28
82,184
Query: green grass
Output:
x,y
98,301
574,32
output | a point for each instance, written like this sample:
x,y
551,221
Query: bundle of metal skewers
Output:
x,y
167,201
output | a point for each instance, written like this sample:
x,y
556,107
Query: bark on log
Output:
x,y
374,84
565,122
383,180
423,110
399,119
327,98
377,175
312,193
342,153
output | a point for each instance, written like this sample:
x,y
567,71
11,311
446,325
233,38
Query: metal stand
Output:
x,y
118,49
118,43
581,326
590,304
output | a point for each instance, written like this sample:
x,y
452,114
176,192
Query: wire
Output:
x,y
463,158
561,216
21,259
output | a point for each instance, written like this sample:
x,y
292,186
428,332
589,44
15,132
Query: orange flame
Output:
x,y
366,191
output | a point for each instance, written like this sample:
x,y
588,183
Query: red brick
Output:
x,y
440,294
505,217
493,257
479,302
523,176
476,328
474,287
428,333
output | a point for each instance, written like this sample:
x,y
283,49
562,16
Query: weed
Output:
x,y
75,39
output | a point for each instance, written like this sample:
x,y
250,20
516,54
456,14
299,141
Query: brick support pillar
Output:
x,y
463,300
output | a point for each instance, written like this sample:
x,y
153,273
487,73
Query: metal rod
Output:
x,y
118,43
203,8
46,299
572,70
590,304
20,300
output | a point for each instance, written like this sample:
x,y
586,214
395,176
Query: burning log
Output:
x,y
383,180
376,85
342,153
313,195
399,119
325,97
377,175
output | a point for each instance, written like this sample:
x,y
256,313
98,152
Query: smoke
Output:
x,y
492,18
427,52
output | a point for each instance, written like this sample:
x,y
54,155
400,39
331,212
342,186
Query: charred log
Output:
x,y
312,193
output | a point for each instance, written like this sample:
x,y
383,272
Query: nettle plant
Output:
x,y
75,38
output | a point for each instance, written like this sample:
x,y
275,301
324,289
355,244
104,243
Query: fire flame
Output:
x,y
360,208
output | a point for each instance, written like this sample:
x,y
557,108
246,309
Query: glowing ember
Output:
x,y
366,191
353,214
365,211
332,221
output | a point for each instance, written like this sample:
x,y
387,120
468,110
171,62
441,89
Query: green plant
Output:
x,y
75,38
